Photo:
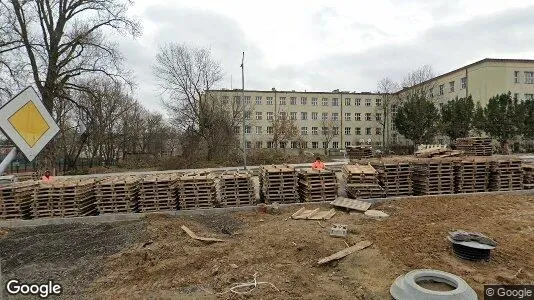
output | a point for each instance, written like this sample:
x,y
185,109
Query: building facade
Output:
x,y
334,120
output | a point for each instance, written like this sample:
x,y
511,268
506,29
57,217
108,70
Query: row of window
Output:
x,y
314,130
314,116
529,77
303,101
463,85
299,145
527,96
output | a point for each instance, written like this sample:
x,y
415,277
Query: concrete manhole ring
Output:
x,y
406,286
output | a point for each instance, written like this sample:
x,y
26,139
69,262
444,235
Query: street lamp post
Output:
x,y
243,110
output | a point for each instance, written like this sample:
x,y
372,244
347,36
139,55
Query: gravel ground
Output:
x,y
71,254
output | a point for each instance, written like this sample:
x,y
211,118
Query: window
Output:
x,y
304,130
529,77
247,129
294,145
347,144
378,130
258,145
247,100
325,145
347,130
367,116
304,116
335,102
237,129
529,97
378,116
516,76
270,144
225,100
358,131
282,145
258,129
270,130
325,101
347,116
358,117
335,145
303,100
358,102
325,116
315,130
516,96
248,144
441,89
237,100
431,92
367,102
269,100
314,101
258,100
325,130
335,116
282,114
269,115
463,83
282,100
293,100
378,102
315,145
335,130
315,115
293,115
259,115
368,131
247,114
451,86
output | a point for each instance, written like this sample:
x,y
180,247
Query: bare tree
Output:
x,y
418,83
327,131
387,89
186,75
284,130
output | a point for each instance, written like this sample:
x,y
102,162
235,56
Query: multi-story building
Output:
x,y
336,119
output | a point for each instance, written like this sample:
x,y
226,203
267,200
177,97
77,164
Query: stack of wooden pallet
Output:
x,y
278,183
117,194
65,198
158,192
236,189
16,200
477,146
362,181
433,176
394,176
426,151
506,174
26,176
359,152
196,190
471,175
317,185
528,176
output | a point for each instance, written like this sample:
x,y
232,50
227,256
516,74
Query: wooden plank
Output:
x,y
351,204
196,237
338,255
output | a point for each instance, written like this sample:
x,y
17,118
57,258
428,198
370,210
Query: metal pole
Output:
x,y
243,102
9,158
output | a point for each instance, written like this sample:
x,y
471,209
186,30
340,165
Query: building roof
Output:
x,y
294,91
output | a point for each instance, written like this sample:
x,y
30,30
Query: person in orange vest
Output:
x,y
47,177
318,164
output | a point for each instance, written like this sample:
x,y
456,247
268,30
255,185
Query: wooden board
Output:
x,y
314,214
196,237
351,204
356,247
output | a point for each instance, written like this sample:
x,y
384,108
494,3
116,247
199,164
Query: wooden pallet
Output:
x,y
477,146
117,195
278,183
158,192
359,152
65,198
16,200
196,190
317,185
236,189
506,174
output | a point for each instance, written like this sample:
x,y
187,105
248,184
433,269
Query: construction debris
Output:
x,y
16,200
477,146
196,191
278,184
433,176
471,245
362,181
376,213
427,151
317,185
338,230
314,214
351,204
528,176
359,152
65,198
157,192
117,195
236,189
506,174
338,255
196,237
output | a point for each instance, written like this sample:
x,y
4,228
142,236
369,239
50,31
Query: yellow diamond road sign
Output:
x,y
27,123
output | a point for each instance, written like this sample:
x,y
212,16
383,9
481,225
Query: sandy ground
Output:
x,y
155,259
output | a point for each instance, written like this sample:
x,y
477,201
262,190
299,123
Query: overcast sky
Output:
x,y
327,45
